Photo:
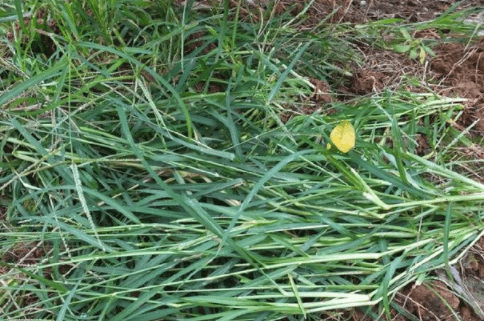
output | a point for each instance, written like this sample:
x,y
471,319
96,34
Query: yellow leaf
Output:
x,y
343,136
422,56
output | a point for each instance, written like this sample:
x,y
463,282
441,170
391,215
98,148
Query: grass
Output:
x,y
144,154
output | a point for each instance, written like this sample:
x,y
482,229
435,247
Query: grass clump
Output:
x,y
145,157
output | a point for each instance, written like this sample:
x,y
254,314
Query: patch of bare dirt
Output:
x,y
360,11
366,81
412,10
462,297
461,70
472,275
474,113
428,302
423,146
40,40
336,11
322,91
385,70
24,254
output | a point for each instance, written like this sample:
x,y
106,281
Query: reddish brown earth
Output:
x,y
358,11
456,71
431,301
423,301
461,69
